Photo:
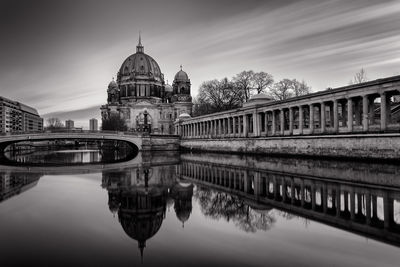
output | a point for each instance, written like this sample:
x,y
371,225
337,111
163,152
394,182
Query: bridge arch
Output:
x,y
135,141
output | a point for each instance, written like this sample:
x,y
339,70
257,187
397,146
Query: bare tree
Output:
x,y
283,89
217,95
219,205
244,81
359,77
287,88
54,123
300,88
262,80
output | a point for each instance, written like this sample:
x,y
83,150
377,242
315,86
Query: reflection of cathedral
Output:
x,y
140,196
141,96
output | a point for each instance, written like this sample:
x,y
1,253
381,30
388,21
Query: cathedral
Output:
x,y
142,98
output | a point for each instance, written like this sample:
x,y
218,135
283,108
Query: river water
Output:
x,y
171,209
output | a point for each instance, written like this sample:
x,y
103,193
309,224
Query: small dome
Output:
x,y
184,116
261,96
168,88
181,76
113,85
258,99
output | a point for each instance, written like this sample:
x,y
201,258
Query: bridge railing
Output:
x,y
67,131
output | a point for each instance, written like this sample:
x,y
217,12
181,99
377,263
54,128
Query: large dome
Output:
x,y
140,65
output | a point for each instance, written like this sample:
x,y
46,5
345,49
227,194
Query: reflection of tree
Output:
x,y
218,205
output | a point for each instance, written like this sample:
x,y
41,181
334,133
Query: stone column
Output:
x,y
368,208
199,124
302,193
337,191
266,123
273,130
229,126
234,126
311,126
383,111
256,124
335,116
324,198
292,191
301,120
365,113
352,206
240,126
282,121
223,127
284,188
214,128
290,121
313,196
245,126
349,114
387,210
323,113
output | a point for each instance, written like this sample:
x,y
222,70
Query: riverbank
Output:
x,y
360,146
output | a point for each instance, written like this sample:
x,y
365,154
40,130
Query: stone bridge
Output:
x,y
141,141
361,120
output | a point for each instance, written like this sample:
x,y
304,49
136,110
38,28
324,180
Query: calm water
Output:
x,y
167,209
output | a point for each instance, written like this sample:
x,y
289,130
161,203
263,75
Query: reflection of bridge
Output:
x,y
142,142
147,158
357,207
351,121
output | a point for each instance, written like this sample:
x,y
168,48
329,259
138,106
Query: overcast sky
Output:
x,y
59,56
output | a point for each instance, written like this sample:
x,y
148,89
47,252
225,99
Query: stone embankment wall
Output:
x,y
160,143
367,173
361,146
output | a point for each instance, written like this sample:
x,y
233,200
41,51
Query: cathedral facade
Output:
x,y
142,98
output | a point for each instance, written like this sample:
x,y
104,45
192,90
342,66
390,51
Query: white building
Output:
x,y
17,117
93,125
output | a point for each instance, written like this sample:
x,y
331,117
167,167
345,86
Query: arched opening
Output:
x,y
66,151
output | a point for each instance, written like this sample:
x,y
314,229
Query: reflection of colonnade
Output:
x,y
367,107
360,208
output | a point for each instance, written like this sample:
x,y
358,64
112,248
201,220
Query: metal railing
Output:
x,y
72,131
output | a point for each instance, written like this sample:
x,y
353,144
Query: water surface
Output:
x,y
201,210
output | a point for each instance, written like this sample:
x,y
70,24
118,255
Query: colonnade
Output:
x,y
343,110
365,206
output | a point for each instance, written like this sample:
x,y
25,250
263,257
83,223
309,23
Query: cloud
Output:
x,y
323,42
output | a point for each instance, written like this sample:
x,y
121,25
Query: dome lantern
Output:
x,y
139,47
